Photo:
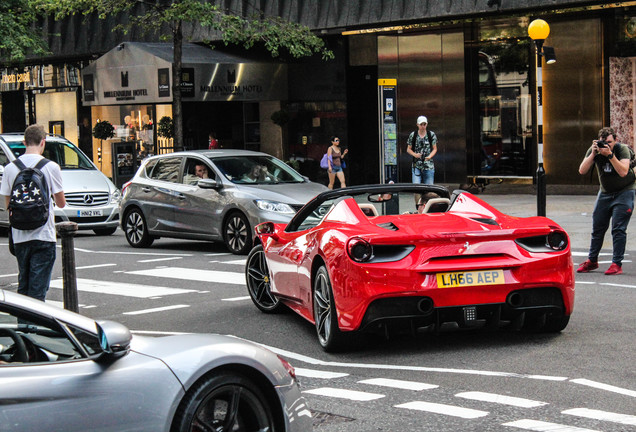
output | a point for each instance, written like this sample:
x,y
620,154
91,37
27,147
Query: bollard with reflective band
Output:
x,y
66,231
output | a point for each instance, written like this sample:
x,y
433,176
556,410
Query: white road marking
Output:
x,y
160,259
236,299
144,253
501,399
60,304
540,426
617,285
95,266
158,309
400,384
235,262
606,387
312,373
9,275
194,274
345,394
123,289
309,360
602,415
218,254
449,410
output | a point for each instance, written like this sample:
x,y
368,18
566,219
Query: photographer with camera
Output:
x,y
422,145
615,201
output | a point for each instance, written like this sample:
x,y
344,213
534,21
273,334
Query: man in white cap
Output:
x,y
422,145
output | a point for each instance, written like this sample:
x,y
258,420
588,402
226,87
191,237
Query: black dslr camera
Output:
x,y
601,143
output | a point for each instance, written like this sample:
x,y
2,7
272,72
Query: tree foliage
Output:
x,y
17,38
230,27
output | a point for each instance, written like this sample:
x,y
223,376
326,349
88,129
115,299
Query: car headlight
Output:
x,y
273,206
115,197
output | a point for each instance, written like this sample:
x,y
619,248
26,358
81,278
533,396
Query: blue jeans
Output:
x,y
618,208
35,265
425,176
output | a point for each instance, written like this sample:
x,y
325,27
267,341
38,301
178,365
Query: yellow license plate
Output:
x,y
470,278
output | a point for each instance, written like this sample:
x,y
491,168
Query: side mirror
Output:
x,y
266,229
209,184
114,339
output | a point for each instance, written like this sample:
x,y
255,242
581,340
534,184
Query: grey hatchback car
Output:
x,y
216,195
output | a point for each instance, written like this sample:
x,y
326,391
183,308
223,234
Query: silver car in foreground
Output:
x,y
92,200
60,371
243,188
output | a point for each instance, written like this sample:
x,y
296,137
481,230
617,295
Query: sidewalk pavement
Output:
x,y
572,212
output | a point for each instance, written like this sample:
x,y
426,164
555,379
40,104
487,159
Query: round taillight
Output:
x,y
359,250
557,240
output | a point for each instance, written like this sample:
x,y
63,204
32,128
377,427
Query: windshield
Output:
x,y
256,170
65,154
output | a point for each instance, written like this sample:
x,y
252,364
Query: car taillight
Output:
x,y
557,240
359,250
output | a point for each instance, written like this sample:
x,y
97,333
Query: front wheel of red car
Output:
x,y
224,402
258,282
329,335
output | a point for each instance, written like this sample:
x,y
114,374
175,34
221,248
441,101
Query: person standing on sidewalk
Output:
x,y
615,201
422,145
35,249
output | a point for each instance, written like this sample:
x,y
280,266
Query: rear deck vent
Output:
x,y
389,226
487,221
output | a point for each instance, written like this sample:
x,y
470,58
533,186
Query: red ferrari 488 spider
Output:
x,y
411,257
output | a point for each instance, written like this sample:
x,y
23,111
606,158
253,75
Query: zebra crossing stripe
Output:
x,y
345,394
400,384
500,399
602,415
194,275
449,410
312,373
605,387
122,289
540,426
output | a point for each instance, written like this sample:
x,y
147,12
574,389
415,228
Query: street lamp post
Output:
x,y
538,30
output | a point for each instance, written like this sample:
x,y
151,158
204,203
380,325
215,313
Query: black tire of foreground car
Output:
x,y
258,282
237,234
105,231
136,229
224,402
330,337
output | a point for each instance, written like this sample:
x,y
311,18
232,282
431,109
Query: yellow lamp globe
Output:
x,y
538,30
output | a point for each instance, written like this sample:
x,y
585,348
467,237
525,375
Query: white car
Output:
x,y
92,200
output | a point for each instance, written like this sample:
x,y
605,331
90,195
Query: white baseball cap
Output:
x,y
422,119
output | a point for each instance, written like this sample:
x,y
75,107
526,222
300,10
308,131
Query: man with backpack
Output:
x,y
422,145
615,201
27,186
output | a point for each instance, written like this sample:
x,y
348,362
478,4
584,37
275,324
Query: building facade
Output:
x,y
469,66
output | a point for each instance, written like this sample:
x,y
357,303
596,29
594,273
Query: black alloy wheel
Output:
x,y
236,234
258,282
223,403
330,337
136,230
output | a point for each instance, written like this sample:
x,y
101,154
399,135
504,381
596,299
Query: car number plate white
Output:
x,y
89,213
470,278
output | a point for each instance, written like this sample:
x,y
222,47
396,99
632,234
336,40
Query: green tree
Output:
x,y
17,37
167,19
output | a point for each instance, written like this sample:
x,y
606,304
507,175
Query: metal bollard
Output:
x,y
66,231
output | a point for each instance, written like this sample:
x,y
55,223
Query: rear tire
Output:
x,y
237,234
225,402
330,337
136,229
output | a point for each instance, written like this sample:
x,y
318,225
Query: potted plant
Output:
x,y
165,129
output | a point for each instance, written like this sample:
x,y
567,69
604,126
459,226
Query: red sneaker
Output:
x,y
614,269
587,266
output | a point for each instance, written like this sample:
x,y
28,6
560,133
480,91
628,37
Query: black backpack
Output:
x,y
30,197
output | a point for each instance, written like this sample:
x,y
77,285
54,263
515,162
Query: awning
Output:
x,y
141,73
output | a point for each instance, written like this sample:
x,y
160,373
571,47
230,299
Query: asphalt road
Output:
x,y
581,379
